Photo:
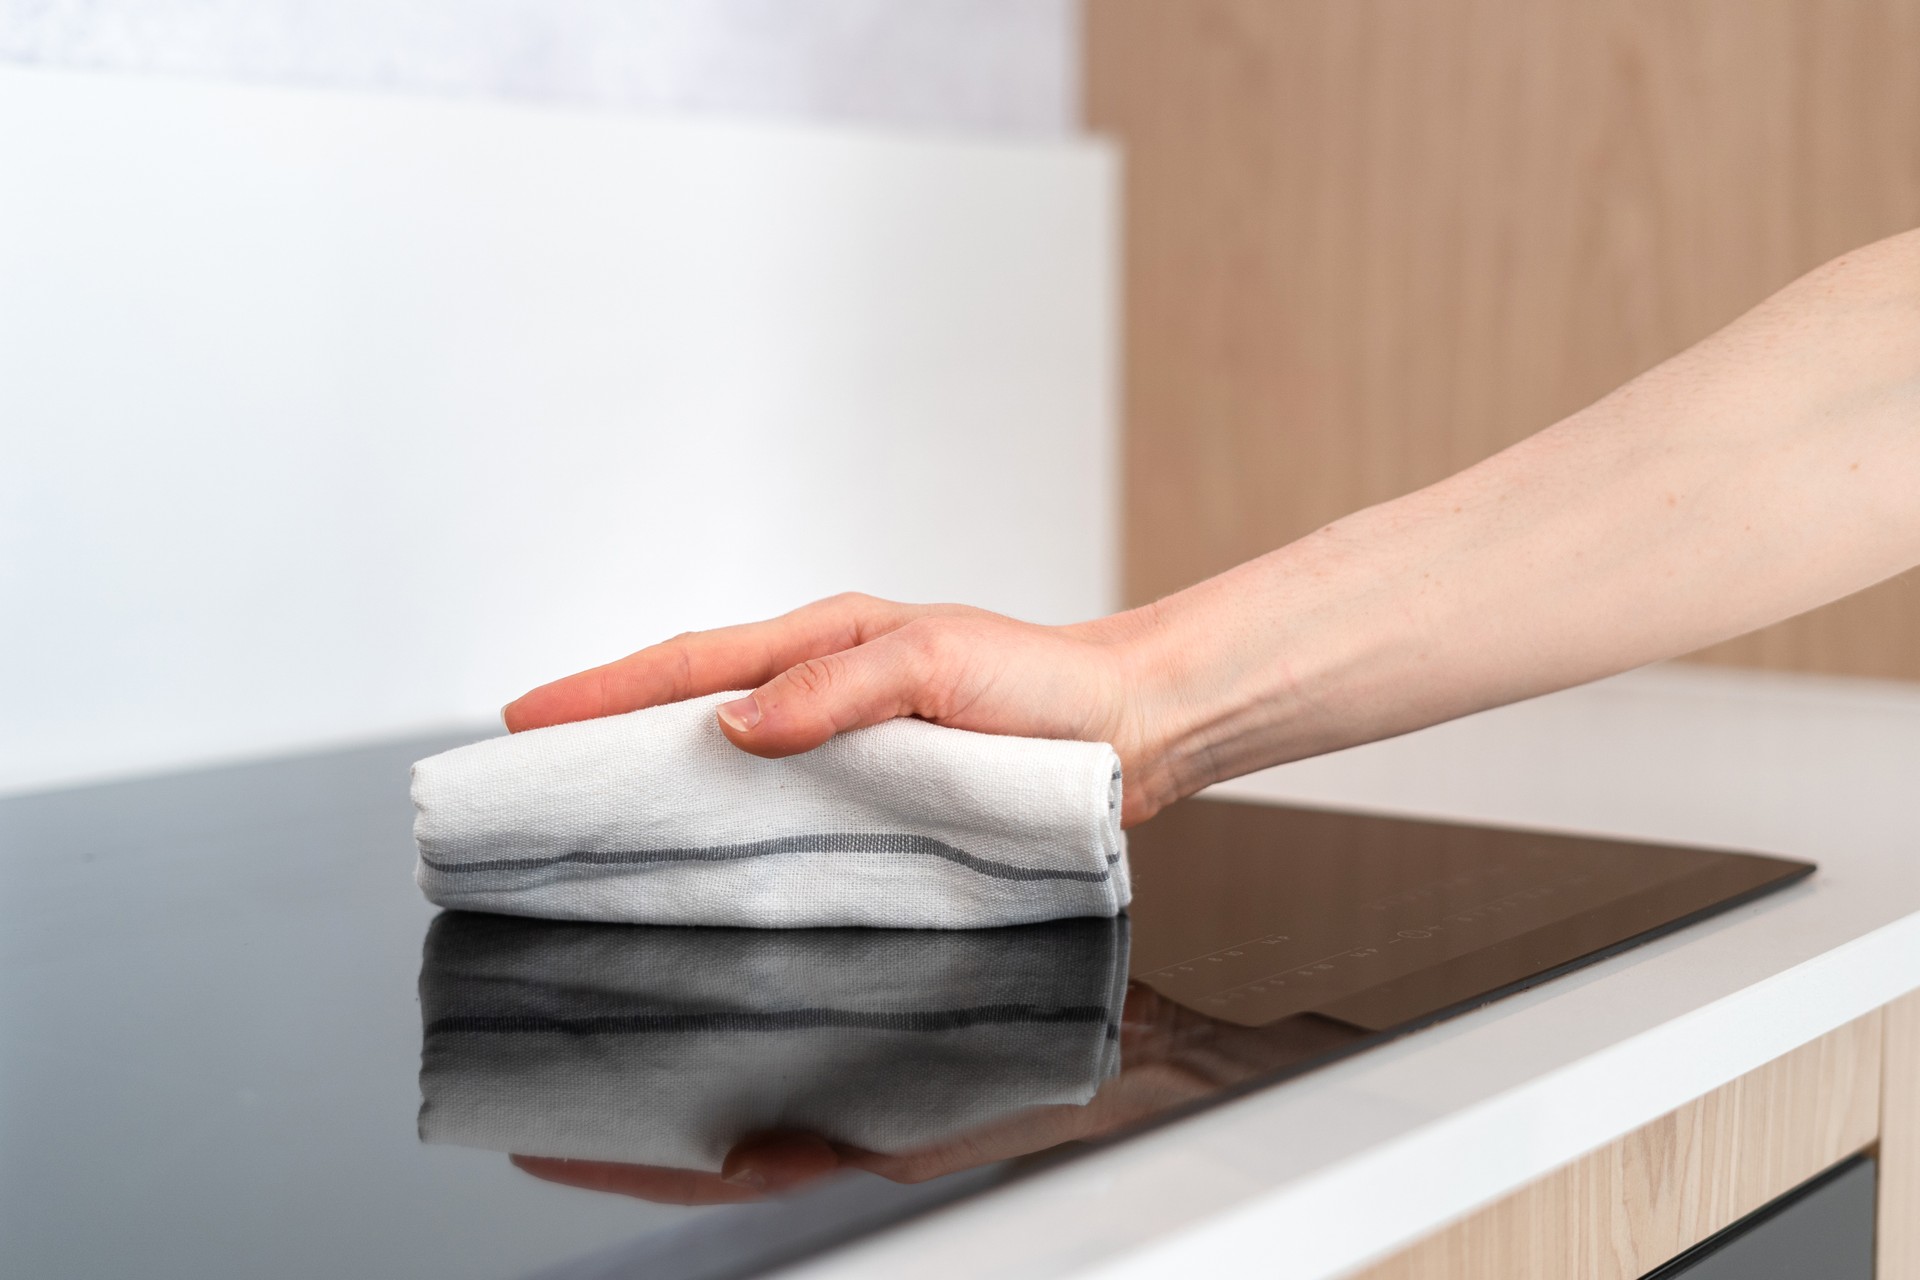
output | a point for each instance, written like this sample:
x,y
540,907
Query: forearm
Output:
x,y
1771,468
1767,470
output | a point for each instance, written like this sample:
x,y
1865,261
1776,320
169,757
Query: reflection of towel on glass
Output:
x,y
665,1047
655,818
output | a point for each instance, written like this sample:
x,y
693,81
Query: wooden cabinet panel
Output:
x,y
1899,1238
1369,242
1632,1205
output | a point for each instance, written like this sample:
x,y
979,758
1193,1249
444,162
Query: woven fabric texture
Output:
x,y
655,818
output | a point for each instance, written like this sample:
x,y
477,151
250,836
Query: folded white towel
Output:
x,y
665,1047
655,818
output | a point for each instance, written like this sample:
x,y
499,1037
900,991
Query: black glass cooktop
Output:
x,y
234,1042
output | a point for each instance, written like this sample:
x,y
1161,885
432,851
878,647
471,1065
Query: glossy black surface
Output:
x,y
234,1041
1822,1230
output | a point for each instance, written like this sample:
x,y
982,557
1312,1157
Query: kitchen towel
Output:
x,y
665,1047
653,817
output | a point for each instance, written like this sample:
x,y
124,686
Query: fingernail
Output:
x,y
741,714
746,1176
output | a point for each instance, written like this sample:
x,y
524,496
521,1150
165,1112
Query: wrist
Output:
x,y
1208,691
1155,709
1288,656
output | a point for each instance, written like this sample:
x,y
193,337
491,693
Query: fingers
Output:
x,y
704,662
900,674
643,1182
780,1161
760,1164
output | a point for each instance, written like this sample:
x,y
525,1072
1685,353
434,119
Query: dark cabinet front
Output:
x,y
1822,1230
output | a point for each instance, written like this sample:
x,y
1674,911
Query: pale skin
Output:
x,y
1770,468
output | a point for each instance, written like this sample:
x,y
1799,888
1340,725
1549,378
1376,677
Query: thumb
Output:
x,y
805,705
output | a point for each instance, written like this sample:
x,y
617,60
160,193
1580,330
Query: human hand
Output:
x,y
852,660
1668,516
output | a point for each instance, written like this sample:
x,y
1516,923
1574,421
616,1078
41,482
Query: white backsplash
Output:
x,y
330,415
998,66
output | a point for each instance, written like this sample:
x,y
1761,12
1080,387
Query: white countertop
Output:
x,y
1320,1175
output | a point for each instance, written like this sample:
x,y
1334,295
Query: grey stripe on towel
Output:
x,y
769,1020
825,842
653,817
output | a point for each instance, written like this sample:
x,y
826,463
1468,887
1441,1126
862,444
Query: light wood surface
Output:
x,y
1625,1209
1369,242
1899,1226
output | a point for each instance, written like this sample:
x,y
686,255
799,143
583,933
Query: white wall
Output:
x,y
1005,66
325,416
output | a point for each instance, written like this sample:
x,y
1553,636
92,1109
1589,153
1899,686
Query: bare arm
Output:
x,y
1769,469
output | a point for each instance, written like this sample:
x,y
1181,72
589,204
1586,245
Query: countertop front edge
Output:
x,y
1376,1202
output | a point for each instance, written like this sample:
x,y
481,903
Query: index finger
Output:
x,y
703,662
641,1181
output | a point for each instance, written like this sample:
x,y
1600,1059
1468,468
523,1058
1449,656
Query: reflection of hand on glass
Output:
x,y
586,1047
1170,1056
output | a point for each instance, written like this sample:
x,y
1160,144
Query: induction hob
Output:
x,y
214,1066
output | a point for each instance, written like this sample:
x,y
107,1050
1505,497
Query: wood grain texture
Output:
x,y
1898,1241
1625,1209
1370,242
